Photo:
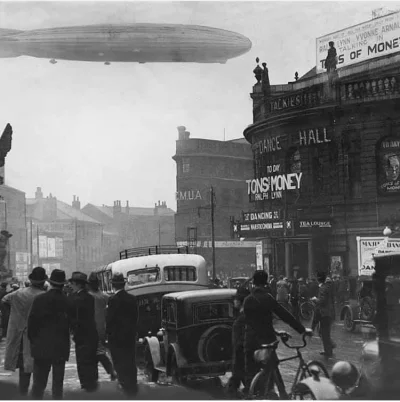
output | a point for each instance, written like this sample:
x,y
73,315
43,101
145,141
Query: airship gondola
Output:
x,y
126,43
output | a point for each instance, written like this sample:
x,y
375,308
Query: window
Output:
x,y
143,276
214,311
180,274
352,163
185,165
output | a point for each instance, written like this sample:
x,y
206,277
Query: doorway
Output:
x,y
299,257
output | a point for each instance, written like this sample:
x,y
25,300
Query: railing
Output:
x,y
152,250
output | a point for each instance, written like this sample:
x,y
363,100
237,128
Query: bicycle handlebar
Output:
x,y
285,337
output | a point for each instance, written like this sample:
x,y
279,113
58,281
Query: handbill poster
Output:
x,y
371,39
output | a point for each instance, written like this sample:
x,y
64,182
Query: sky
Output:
x,y
108,133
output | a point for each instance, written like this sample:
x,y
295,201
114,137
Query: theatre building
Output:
x,y
222,165
326,151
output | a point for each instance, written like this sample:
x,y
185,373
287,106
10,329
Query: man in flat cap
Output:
x,y
121,326
84,331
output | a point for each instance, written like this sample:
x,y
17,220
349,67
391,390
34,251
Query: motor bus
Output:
x,y
152,272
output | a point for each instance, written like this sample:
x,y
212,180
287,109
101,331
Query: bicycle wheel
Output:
x,y
306,310
259,387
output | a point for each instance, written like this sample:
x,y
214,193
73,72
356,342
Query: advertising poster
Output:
x,y
366,41
389,166
368,247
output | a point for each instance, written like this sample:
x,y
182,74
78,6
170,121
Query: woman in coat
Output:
x,y
18,351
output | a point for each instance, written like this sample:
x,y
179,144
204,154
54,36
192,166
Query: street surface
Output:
x,y
349,347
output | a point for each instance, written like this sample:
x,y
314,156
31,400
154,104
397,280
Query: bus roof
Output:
x,y
123,266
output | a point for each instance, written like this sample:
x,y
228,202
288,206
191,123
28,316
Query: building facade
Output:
x,y
222,165
129,227
61,236
326,152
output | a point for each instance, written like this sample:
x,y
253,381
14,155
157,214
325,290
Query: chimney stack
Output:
x,y
182,133
38,193
76,203
117,208
127,208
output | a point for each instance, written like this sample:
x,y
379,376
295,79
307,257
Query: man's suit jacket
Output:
x,y
49,326
325,301
83,318
122,318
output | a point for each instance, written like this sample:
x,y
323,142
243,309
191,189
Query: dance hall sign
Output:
x,y
366,41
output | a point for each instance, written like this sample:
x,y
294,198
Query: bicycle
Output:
x,y
307,308
263,384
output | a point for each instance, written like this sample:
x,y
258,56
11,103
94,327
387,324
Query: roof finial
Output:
x,y
258,71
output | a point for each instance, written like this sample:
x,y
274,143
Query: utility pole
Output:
x,y
212,232
211,207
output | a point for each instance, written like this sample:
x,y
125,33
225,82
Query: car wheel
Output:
x,y
215,344
150,372
349,324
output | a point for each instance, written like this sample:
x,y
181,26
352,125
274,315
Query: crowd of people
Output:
x,y
256,308
42,320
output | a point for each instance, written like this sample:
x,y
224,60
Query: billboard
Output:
x,y
367,247
366,41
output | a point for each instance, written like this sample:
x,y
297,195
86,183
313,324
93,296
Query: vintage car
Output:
x,y
195,338
234,283
359,309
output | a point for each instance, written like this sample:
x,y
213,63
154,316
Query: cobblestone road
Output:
x,y
348,348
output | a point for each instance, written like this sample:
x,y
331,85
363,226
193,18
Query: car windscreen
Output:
x,y
214,311
180,273
143,276
392,292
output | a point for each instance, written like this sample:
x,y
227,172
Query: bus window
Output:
x,y
180,274
144,276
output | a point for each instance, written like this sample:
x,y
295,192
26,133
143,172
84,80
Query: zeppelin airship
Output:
x,y
126,43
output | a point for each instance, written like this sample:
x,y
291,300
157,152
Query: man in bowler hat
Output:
x,y
18,351
84,331
49,334
121,325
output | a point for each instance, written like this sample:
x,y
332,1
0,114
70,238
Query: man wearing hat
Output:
x,y
121,325
325,310
84,331
100,308
18,351
49,334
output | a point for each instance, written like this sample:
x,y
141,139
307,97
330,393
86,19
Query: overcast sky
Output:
x,y
108,133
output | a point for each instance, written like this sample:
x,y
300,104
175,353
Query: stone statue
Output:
x,y
4,237
265,79
331,59
5,143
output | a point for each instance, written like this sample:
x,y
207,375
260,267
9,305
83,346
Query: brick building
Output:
x,y
128,227
223,165
326,152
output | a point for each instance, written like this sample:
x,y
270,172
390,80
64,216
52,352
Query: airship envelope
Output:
x,y
126,43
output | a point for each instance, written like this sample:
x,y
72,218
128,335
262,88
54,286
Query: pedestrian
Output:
x,y
295,293
313,288
282,292
84,332
259,308
238,328
325,313
272,286
121,327
49,325
100,308
18,351
303,289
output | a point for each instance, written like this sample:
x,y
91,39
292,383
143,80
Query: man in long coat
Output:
x,y
49,334
100,308
122,317
18,351
84,331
